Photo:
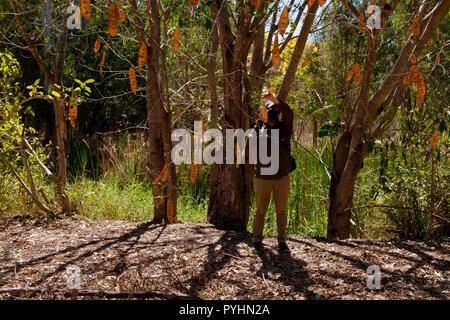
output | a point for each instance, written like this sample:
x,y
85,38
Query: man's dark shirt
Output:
x,y
285,127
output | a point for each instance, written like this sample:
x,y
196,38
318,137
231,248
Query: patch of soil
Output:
x,y
200,261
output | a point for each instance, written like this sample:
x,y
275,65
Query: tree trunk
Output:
x,y
159,121
231,187
346,166
61,154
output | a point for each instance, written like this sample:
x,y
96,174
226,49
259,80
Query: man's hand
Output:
x,y
270,97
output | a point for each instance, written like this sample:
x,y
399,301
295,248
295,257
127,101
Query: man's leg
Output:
x,y
263,190
280,196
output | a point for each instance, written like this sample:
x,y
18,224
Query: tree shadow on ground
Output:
x,y
221,252
134,234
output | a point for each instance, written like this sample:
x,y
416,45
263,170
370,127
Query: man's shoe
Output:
x,y
258,246
283,248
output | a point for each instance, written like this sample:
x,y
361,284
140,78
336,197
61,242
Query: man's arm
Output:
x,y
287,117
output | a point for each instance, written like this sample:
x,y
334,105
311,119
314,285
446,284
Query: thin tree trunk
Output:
x,y
158,113
61,154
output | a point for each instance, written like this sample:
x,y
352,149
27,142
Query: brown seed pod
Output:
x,y
85,8
142,55
133,81
284,21
264,114
357,74
276,57
97,45
421,89
434,141
176,39
113,19
102,63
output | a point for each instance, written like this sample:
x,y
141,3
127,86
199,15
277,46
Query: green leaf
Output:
x,y
56,94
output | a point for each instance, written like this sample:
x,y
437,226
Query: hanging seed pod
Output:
x,y
97,46
170,211
193,174
133,81
176,39
142,55
414,73
264,114
421,90
113,19
85,8
284,21
434,141
276,57
357,74
322,2
102,63
311,3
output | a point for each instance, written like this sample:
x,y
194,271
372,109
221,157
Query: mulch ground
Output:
x,y
202,262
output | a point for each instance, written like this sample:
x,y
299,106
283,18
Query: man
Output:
x,y
279,116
